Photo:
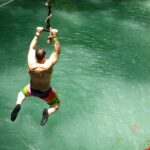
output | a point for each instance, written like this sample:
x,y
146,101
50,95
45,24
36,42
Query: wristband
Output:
x,y
55,39
37,35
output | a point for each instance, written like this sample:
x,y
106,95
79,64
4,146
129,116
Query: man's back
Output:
x,y
40,70
40,76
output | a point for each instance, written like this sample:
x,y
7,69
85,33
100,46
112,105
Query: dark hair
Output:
x,y
40,54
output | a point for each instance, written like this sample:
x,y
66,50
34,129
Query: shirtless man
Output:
x,y
40,71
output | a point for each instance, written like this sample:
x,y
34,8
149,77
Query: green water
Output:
x,y
102,77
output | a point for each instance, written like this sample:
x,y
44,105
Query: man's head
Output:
x,y
40,55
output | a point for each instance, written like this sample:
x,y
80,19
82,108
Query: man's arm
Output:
x,y
55,55
36,37
31,53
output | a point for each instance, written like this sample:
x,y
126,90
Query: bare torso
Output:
x,y
40,78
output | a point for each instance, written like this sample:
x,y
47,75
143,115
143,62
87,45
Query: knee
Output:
x,y
55,106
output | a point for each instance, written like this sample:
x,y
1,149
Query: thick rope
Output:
x,y
47,20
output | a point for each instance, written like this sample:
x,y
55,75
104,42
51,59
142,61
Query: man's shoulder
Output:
x,y
36,67
32,49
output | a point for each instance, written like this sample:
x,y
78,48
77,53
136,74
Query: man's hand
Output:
x,y
54,32
39,30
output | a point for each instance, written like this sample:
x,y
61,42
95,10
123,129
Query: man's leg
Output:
x,y
53,108
21,97
54,103
47,112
